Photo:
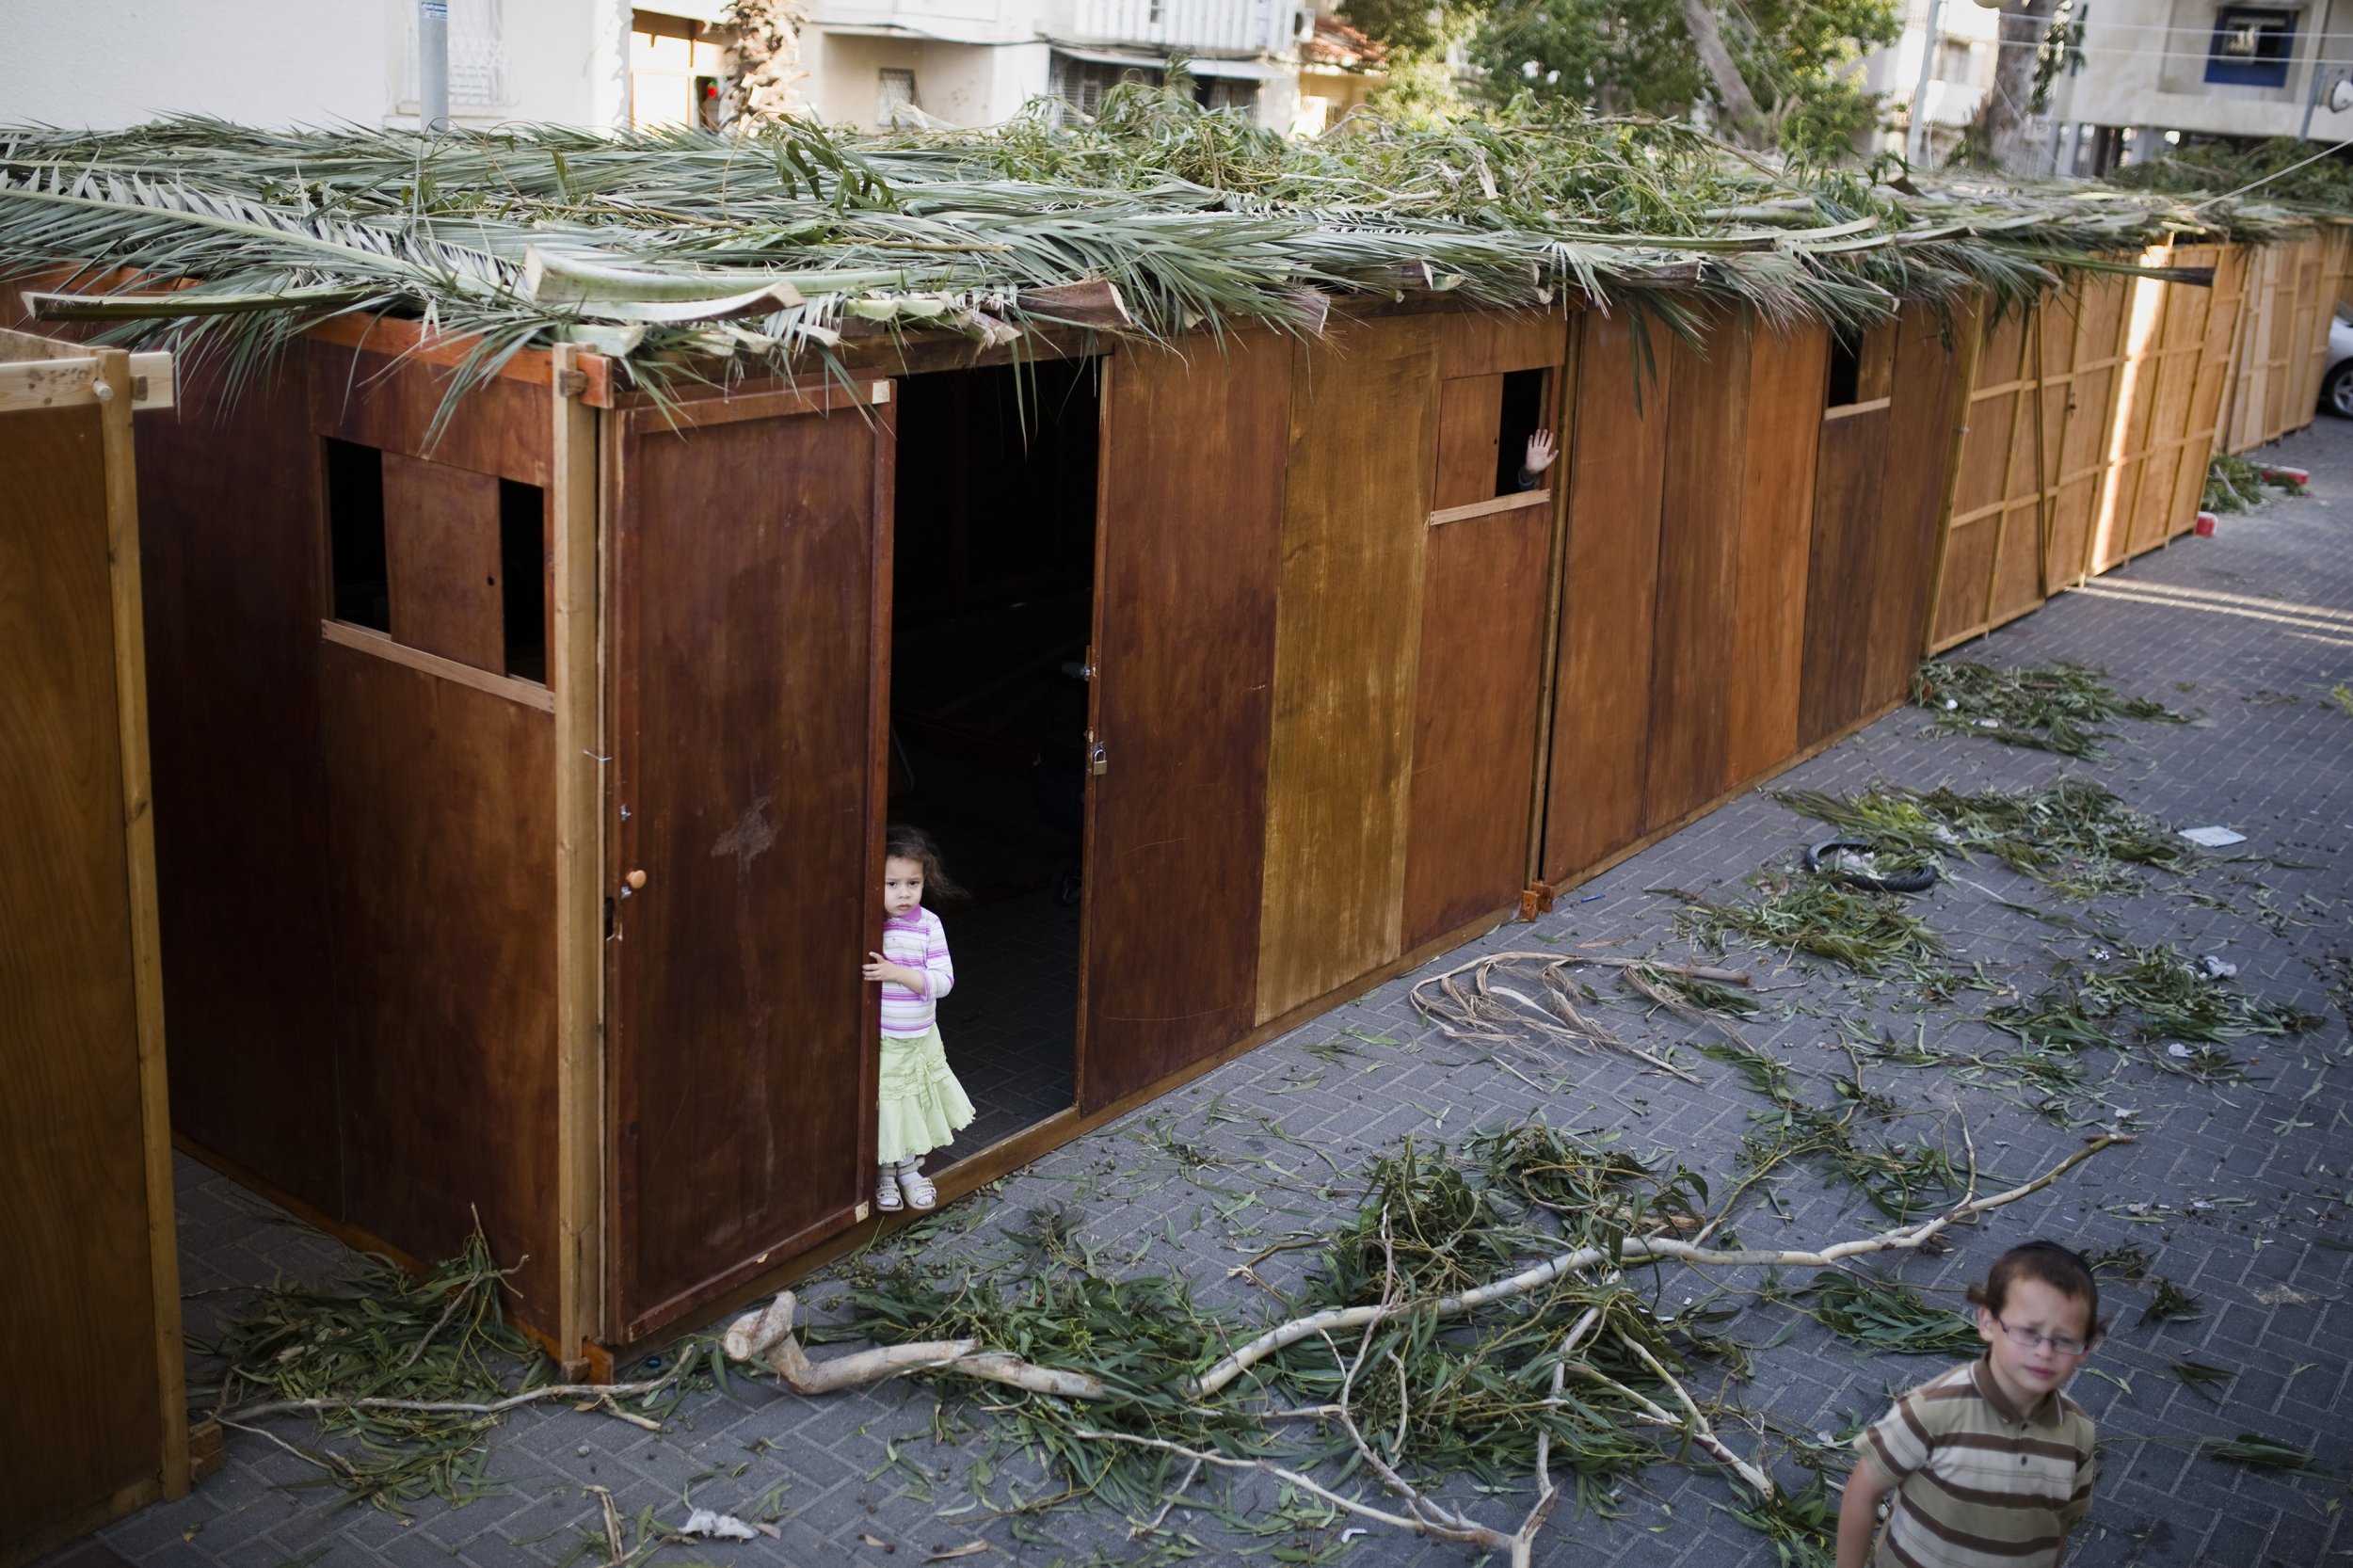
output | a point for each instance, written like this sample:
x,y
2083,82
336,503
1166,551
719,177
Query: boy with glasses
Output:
x,y
1991,1464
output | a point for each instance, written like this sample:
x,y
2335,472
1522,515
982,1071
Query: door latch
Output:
x,y
1099,759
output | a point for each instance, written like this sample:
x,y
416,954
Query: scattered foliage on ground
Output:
x,y
2074,837
1865,931
2053,707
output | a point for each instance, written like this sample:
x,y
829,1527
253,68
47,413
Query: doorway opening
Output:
x,y
993,603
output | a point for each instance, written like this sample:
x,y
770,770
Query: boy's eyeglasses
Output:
x,y
2027,1339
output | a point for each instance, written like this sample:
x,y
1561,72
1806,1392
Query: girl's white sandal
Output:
x,y
918,1187
887,1190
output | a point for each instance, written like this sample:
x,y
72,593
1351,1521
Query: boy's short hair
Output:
x,y
2060,1268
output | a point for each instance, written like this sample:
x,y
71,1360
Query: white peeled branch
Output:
x,y
767,1335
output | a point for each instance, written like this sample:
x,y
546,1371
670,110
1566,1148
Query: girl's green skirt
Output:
x,y
923,1107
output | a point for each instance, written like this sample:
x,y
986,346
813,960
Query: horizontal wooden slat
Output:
x,y
818,398
529,693
1484,508
51,382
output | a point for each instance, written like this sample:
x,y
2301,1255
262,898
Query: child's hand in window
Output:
x,y
1541,453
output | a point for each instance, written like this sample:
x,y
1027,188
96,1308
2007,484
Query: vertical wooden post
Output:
x,y
113,390
1556,587
575,673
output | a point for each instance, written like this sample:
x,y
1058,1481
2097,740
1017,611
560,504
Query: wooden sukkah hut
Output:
x,y
2094,413
568,553
2282,350
91,1307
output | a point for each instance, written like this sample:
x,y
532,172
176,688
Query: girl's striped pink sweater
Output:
x,y
921,942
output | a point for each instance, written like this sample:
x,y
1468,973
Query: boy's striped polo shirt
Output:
x,y
1979,1483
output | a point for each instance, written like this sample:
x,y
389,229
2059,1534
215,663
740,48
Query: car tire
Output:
x,y
2336,393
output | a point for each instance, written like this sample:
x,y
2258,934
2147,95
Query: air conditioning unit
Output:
x,y
1303,23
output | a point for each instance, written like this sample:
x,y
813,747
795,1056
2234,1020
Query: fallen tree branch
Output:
x,y
1470,1535
767,1334
1633,1250
595,1392
1702,1430
1478,1015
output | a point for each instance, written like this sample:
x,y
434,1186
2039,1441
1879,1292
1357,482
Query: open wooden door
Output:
x,y
750,554
1188,531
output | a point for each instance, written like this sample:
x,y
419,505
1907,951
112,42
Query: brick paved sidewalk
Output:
x,y
2239,1191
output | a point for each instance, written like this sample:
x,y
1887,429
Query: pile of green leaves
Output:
x,y
1886,1314
2053,708
2073,837
2236,485
2283,167
1449,1401
1902,1180
438,1336
2149,993
1865,931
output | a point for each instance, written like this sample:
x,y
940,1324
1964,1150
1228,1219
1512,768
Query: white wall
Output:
x,y
261,62
961,83
293,62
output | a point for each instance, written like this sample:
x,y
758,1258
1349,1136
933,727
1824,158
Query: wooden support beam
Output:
x,y
112,390
576,677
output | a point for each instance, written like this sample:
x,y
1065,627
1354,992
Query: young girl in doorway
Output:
x,y
923,1106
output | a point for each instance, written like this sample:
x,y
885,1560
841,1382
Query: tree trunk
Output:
x,y
2001,121
1732,91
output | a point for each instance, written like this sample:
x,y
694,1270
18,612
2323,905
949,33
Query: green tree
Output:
x,y
1772,72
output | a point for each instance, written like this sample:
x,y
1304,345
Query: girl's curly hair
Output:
x,y
903,843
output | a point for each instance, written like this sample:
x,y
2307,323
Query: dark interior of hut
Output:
x,y
992,607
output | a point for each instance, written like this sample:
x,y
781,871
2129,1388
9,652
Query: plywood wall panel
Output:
x,y
748,716
441,556
1698,565
1616,467
1191,536
80,1304
231,544
1470,410
1490,342
499,428
1484,592
442,850
1850,475
1348,627
1782,419
1926,413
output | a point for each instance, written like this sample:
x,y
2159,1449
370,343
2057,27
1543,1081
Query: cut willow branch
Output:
x,y
1659,1249
600,1393
1477,1014
767,1335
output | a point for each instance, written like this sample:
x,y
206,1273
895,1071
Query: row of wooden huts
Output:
x,y
525,875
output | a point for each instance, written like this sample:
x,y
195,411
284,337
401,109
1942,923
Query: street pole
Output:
x,y
433,65
1917,134
2312,98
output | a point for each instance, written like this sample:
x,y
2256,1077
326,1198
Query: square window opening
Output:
x,y
1524,410
523,578
894,90
2251,47
359,584
1846,371
1862,366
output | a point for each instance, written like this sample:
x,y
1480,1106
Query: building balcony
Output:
x,y
1210,27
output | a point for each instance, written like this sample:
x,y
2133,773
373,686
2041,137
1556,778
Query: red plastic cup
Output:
x,y
2205,525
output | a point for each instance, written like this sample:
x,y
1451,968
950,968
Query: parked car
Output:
x,y
2336,387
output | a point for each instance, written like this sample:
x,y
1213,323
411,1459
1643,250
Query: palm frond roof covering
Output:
x,y
673,248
